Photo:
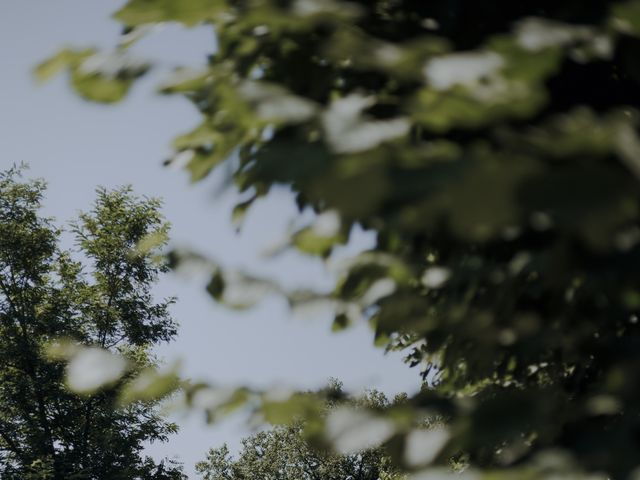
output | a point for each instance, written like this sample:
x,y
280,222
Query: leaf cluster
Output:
x,y
492,147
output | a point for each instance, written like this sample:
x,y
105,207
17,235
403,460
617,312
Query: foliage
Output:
x,y
492,147
284,452
99,305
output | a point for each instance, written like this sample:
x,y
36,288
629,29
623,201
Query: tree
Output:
x,y
492,147
102,301
284,453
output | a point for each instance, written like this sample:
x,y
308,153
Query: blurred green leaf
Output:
x,y
149,384
626,17
60,62
188,12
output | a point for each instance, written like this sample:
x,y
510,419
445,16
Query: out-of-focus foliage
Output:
x,y
493,149
102,306
99,77
284,452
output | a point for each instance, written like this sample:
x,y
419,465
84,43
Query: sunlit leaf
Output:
x,y
104,78
93,368
60,62
274,104
150,384
626,17
348,131
151,242
287,410
423,445
238,290
188,12
352,430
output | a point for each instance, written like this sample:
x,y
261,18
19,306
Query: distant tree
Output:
x,y
284,453
102,300
491,147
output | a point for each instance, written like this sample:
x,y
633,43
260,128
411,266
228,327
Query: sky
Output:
x,y
76,146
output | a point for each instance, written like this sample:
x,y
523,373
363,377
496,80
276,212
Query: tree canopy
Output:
x,y
97,306
284,453
492,148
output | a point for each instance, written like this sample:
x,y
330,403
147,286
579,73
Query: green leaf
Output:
x,y
188,12
240,211
218,402
61,61
296,407
320,238
150,242
100,89
351,430
185,80
275,105
98,77
626,17
149,385
92,369
238,290
501,82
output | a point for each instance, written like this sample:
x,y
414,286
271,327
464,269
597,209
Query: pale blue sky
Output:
x,y
77,146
